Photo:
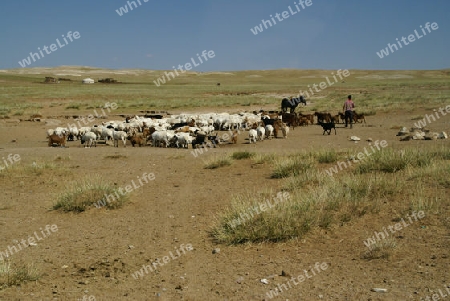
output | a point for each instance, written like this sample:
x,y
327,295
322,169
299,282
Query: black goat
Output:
x,y
327,127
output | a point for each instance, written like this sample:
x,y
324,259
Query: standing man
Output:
x,y
348,110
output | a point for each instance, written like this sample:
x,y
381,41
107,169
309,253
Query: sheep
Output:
x,y
252,134
90,138
260,133
119,135
284,130
59,140
269,131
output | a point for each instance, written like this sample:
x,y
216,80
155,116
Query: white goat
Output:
x,y
260,133
159,137
252,134
90,139
119,135
269,131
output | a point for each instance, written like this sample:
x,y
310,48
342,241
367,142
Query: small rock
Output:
x,y
216,251
379,290
354,138
265,281
369,140
284,274
442,135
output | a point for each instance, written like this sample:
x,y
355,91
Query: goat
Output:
x,y
335,118
327,127
269,131
59,140
137,138
323,117
342,116
284,129
357,117
234,137
260,133
252,134
303,121
160,137
119,135
90,138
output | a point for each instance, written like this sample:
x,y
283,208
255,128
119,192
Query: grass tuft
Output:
x,y
217,161
326,156
83,194
382,249
240,155
292,166
16,274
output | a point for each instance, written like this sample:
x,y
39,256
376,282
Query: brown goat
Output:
x,y
234,137
323,117
357,117
335,118
138,139
290,119
276,127
58,140
303,121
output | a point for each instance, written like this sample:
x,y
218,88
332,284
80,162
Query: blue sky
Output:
x,y
344,34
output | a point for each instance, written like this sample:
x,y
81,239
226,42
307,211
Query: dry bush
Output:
x,y
85,193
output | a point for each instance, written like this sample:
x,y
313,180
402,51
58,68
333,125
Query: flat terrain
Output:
x,y
96,253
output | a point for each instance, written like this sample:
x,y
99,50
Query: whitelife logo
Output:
x,y
411,38
12,159
188,66
35,56
397,227
431,118
284,15
165,260
31,241
124,9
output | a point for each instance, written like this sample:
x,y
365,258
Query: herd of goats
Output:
x,y
195,129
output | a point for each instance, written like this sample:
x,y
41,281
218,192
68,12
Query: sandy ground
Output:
x,y
94,253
